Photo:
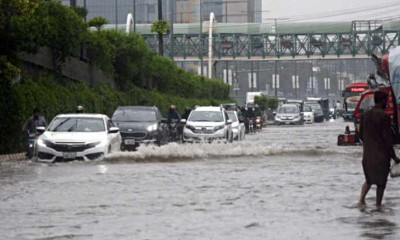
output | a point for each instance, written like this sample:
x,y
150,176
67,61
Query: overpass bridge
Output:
x,y
271,42
267,41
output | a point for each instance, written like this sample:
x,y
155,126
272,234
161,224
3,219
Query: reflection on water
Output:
x,y
284,183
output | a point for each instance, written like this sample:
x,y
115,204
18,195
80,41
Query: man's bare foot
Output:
x,y
361,205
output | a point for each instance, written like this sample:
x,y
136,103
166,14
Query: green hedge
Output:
x,y
58,96
266,103
129,59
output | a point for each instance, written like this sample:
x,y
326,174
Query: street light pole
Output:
x,y
116,14
201,39
172,29
276,78
160,35
134,16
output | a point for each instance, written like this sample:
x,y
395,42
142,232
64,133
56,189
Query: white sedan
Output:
x,y
77,137
308,114
238,128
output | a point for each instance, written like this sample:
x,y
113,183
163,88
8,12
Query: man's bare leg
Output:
x,y
379,195
364,191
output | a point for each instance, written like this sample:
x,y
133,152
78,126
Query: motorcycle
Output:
x,y
32,138
174,131
258,123
251,125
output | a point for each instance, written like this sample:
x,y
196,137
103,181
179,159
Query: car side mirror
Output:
x,y
229,122
183,121
40,130
113,130
274,113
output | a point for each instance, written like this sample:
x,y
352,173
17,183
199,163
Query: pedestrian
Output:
x,y
376,134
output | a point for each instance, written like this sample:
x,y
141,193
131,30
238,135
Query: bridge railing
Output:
x,y
279,45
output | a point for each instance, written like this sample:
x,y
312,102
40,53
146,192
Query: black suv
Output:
x,y
140,125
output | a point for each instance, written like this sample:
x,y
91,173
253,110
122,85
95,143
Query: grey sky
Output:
x,y
290,8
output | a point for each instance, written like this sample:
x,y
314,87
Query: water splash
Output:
x,y
180,152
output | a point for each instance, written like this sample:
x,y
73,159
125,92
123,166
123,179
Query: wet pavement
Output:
x,y
283,183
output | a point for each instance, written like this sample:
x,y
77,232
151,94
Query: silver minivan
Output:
x,y
288,114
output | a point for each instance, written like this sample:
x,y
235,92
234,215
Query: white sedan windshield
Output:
x,y
75,124
206,116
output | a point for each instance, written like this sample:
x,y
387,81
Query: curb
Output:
x,y
13,157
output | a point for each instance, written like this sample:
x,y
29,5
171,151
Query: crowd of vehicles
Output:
x,y
298,112
82,136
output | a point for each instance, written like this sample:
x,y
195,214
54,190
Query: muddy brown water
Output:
x,y
283,183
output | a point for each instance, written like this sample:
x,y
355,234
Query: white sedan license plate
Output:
x,y
69,155
287,123
130,142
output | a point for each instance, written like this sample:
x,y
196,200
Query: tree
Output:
x,y
81,11
60,28
161,27
97,22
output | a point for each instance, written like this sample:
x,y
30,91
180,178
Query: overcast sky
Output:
x,y
371,9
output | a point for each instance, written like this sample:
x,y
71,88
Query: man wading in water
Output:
x,y
376,134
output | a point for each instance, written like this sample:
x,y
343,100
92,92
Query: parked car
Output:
x,y
288,114
78,137
140,125
208,124
308,115
318,113
238,127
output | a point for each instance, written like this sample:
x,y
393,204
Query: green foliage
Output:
x,y
10,11
54,97
81,11
97,22
160,26
132,63
60,28
266,103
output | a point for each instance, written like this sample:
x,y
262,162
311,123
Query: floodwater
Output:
x,y
283,183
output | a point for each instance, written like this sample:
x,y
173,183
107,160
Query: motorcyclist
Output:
x,y
35,121
31,124
186,113
173,115
79,109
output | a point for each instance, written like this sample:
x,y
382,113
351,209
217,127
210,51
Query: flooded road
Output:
x,y
283,183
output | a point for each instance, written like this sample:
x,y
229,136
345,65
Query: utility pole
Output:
x,y
84,6
172,29
116,14
201,39
226,12
252,77
276,79
160,35
312,78
134,15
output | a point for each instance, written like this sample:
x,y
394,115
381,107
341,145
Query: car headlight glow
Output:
x,y
152,128
278,117
297,116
